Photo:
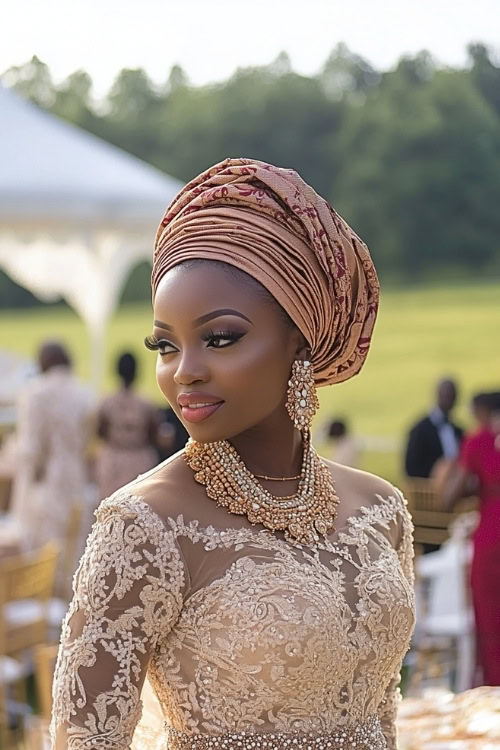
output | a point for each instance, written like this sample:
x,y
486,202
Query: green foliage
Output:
x,y
485,75
138,286
33,81
425,169
410,156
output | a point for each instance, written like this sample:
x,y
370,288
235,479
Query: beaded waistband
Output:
x,y
366,736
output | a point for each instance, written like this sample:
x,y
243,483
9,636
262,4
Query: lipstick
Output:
x,y
196,407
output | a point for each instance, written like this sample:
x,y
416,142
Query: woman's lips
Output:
x,y
199,412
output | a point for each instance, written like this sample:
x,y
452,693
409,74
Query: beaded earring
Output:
x,y
302,400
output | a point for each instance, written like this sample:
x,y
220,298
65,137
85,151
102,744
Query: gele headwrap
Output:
x,y
269,223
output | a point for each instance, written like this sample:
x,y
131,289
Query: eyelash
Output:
x,y
155,345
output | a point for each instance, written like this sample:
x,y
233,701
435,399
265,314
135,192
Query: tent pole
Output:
x,y
97,337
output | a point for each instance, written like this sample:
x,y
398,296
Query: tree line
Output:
x,y
409,156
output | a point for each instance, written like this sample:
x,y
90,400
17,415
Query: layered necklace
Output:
x,y
303,517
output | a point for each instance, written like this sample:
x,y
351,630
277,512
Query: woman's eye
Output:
x,y
162,346
165,348
214,340
222,339
219,342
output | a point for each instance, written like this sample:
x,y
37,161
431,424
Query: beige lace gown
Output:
x,y
248,641
56,416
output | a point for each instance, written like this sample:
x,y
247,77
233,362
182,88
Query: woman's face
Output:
x,y
224,355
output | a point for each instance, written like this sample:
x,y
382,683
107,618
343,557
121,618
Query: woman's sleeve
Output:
x,y
388,709
128,593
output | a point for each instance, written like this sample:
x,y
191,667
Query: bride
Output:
x,y
265,592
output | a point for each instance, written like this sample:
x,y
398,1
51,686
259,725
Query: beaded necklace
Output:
x,y
303,517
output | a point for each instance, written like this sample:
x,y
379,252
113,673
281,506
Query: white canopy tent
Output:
x,y
76,214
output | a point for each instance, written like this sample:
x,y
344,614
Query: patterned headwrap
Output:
x,y
269,223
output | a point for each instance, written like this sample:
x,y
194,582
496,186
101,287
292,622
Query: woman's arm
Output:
x,y
462,479
128,593
456,487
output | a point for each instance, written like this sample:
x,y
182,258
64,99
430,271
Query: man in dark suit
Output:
x,y
434,436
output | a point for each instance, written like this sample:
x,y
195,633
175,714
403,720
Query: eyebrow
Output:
x,y
205,318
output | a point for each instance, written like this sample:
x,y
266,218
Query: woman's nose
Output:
x,y
190,370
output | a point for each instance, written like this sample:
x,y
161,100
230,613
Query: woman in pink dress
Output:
x,y
480,459
127,425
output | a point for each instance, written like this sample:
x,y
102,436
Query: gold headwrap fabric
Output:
x,y
268,222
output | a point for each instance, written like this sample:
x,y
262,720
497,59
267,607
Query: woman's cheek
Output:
x,y
164,377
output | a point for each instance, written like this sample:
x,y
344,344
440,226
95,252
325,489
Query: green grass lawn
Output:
x,y
421,335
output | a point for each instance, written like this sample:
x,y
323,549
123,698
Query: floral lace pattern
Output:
x,y
238,630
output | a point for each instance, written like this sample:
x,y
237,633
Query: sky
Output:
x,y
211,38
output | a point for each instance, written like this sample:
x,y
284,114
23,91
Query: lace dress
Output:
x,y
248,641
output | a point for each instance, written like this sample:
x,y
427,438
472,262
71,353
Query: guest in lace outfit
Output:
x,y
264,592
56,419
127,425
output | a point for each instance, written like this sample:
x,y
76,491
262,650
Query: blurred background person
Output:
x,y
481,409
127,425
435,439
479,464
172,435
343,447
56,420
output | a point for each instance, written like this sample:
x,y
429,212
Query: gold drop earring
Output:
x,y
302,400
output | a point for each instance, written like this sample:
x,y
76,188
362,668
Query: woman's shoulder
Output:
x,y
361,489
130,541
158,495
374,501
359,481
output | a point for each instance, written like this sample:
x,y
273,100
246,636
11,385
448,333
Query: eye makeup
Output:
x,y
157,345
231,336
212,337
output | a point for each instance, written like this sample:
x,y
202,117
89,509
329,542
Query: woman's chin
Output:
x,y
206,433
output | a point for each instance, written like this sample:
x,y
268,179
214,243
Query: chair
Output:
x,y
26,585
431,522
29,579
45,662
11,673
29,610
445,619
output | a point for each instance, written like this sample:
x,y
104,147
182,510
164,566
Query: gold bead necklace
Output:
x,y
303,517
276,479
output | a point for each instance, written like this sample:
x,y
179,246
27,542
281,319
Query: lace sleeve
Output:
x,y
389,707
128,594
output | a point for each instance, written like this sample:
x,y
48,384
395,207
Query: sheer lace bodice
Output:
x,y
238,630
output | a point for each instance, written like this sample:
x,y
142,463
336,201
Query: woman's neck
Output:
x,y
273,448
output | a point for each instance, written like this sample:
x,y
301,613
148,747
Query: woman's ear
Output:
x,y
303,349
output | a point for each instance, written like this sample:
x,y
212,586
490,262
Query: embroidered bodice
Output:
x,y
237,629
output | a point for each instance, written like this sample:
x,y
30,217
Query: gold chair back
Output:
x,y
45,662
430,520
26,579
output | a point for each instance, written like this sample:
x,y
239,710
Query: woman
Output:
x,y
479,465
127,426
266,592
